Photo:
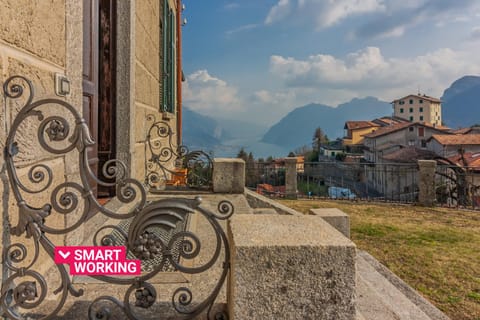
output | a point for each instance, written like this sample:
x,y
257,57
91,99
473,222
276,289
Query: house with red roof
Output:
x,y
405,134
452,145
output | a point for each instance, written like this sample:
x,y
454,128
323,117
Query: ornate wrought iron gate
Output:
x,y
60,130
456,186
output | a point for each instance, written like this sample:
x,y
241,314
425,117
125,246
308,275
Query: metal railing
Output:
x,y
60,130
457,186
169,164
339,180
361,181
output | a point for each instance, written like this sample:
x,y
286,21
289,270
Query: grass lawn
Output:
x,y
434,250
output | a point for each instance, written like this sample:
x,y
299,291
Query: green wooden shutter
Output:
x,y
169,59
165,56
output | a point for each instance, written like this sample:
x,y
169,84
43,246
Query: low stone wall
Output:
x,y
257,201
336,218
290,267
228,175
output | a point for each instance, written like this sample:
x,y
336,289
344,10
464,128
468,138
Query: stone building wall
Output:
x,y
148,78
37,40
41,38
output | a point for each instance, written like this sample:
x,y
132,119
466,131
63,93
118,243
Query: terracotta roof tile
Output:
x,y
388,129
462,131
386,121
409,154
399,126
457,139
420,96
352,125
469,160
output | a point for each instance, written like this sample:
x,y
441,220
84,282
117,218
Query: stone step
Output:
x,y
210,201
381,295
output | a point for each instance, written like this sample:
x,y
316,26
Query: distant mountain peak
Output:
x,y
296,128
460,102
460,85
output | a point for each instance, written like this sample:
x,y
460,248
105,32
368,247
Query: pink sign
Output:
x,y
91,260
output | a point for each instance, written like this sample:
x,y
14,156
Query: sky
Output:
x,y
257,60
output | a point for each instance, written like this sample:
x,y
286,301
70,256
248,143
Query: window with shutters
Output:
x,y
169,58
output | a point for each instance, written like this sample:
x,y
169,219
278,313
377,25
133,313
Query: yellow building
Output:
x,y
419,108
355,130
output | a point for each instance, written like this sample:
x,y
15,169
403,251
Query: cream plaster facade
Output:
x,y
419,108
355,136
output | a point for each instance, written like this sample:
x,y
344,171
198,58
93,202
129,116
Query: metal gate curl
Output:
x,y
26,289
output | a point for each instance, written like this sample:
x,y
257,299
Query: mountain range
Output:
x,y
460,105
297,127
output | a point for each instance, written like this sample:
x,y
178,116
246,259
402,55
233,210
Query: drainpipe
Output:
x,y
179,72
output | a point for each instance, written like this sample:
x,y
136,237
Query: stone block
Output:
x,y
264,211
148,16
138,169
426,182
37,27
146,50
228,175
291,178
141,129
30,150
147,88
336,218
290,267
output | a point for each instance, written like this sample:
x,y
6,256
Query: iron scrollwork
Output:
x,y
190,168
26,288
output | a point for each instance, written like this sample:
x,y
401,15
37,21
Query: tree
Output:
x,y
319,138
303,150
242,154
250,159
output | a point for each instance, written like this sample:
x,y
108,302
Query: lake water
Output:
x,y
230,149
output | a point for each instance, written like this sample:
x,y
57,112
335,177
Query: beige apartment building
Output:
x,y
419,108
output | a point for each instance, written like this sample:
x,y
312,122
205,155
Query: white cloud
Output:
x,y
231,6
324,13
279,11
368,72
475,34
243,28
400,16
208,94
281,98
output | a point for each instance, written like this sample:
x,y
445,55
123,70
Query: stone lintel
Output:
x,y
290,267
336,218
228,175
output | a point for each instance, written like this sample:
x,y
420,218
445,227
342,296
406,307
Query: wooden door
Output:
x,y
90,78
107,91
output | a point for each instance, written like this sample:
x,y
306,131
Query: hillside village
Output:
x,y
378,158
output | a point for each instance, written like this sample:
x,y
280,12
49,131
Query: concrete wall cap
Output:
x,y
285,231
328,212
228,160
